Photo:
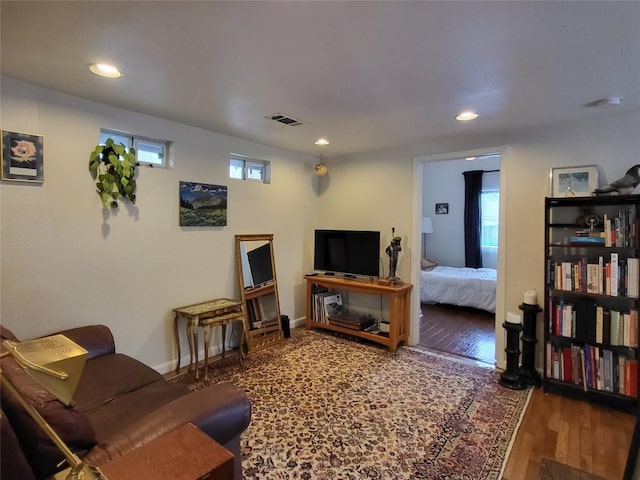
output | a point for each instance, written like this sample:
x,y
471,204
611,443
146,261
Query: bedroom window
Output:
x,y
490,208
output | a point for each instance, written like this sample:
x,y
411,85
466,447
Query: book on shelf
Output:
x,y
326,305
595,368
582,240
614,276
333,305
319,311
586,321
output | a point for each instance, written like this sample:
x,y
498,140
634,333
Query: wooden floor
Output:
x,y
466,332
584,436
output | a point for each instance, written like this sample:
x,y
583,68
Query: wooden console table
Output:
x,y
220,311
185,453
399,307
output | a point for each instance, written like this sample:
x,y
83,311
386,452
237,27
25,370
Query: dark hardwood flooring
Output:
x,y
458,330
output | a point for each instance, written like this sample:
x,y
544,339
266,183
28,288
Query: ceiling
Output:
x,y
365,75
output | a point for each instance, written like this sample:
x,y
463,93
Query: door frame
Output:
x,y
418,166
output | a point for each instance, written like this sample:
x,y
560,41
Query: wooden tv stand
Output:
x,y
399,297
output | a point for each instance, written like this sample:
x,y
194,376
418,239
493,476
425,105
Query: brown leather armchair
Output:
x,y
119,404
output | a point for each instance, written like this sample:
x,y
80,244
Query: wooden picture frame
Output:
x,y
22,157
578,181
442,208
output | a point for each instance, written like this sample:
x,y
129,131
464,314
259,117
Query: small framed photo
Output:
x,y
22,157
574,181
442,208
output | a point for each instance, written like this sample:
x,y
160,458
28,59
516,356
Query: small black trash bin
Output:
x,y
286,329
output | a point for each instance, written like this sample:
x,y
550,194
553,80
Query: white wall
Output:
x,y
64,263
382,181
67,262
443,182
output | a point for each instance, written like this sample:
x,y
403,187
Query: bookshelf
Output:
x,y
592,289
399,306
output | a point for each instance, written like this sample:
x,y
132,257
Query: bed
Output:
x,y
461,286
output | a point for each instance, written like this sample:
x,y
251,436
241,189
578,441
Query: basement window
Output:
x,y
149,152
244,168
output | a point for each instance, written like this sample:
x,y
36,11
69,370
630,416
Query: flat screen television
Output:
x,y
353,252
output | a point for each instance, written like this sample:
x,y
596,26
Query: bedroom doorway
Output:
x,y
458,270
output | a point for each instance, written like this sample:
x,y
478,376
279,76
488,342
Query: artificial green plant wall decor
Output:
x,y
113,166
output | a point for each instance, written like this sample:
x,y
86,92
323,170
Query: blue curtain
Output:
x,y
472,223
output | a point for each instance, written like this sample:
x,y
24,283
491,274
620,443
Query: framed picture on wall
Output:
x,y
22,157
203,205
442,208
578,181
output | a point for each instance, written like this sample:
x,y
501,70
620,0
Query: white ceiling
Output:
x,y
366,75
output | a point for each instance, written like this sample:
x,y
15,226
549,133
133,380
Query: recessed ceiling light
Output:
x,y
322,142
105,70
470,158
465,116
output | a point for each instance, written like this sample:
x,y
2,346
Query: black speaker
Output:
x,y
286,329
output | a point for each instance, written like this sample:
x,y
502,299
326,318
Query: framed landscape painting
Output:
x,y
203,205
22,157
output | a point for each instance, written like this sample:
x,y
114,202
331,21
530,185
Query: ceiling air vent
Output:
x,y
284,119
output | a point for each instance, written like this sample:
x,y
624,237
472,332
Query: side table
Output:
x,y
221,311
185,453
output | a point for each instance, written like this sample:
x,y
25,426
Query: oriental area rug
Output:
x,y
325,407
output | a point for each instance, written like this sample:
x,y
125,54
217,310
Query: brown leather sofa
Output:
x,y
119,404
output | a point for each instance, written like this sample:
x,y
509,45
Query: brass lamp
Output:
x,y
56,363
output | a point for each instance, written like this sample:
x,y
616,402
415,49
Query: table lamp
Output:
x,y
56,363
427,227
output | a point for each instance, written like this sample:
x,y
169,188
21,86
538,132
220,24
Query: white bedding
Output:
x,y
465,287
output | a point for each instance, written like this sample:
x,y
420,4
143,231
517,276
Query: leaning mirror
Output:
x,y
258,290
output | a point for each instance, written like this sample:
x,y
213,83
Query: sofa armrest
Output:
x,y
96,339
222,411
13,463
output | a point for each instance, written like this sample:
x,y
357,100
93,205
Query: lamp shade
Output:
x,y
427,225
55,362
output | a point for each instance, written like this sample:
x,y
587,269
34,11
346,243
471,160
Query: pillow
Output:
x,y
426,264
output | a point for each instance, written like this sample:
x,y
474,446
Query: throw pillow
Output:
x,y
426,264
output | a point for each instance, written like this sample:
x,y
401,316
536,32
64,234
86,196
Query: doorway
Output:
x,y
458,299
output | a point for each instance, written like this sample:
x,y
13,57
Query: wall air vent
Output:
x,y
284,119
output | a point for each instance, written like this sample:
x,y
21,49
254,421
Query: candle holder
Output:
x,y
510,378
528,372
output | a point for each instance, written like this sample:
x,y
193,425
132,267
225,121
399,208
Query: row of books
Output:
x,y
586,321
593,368
621,231
615,277
326,305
